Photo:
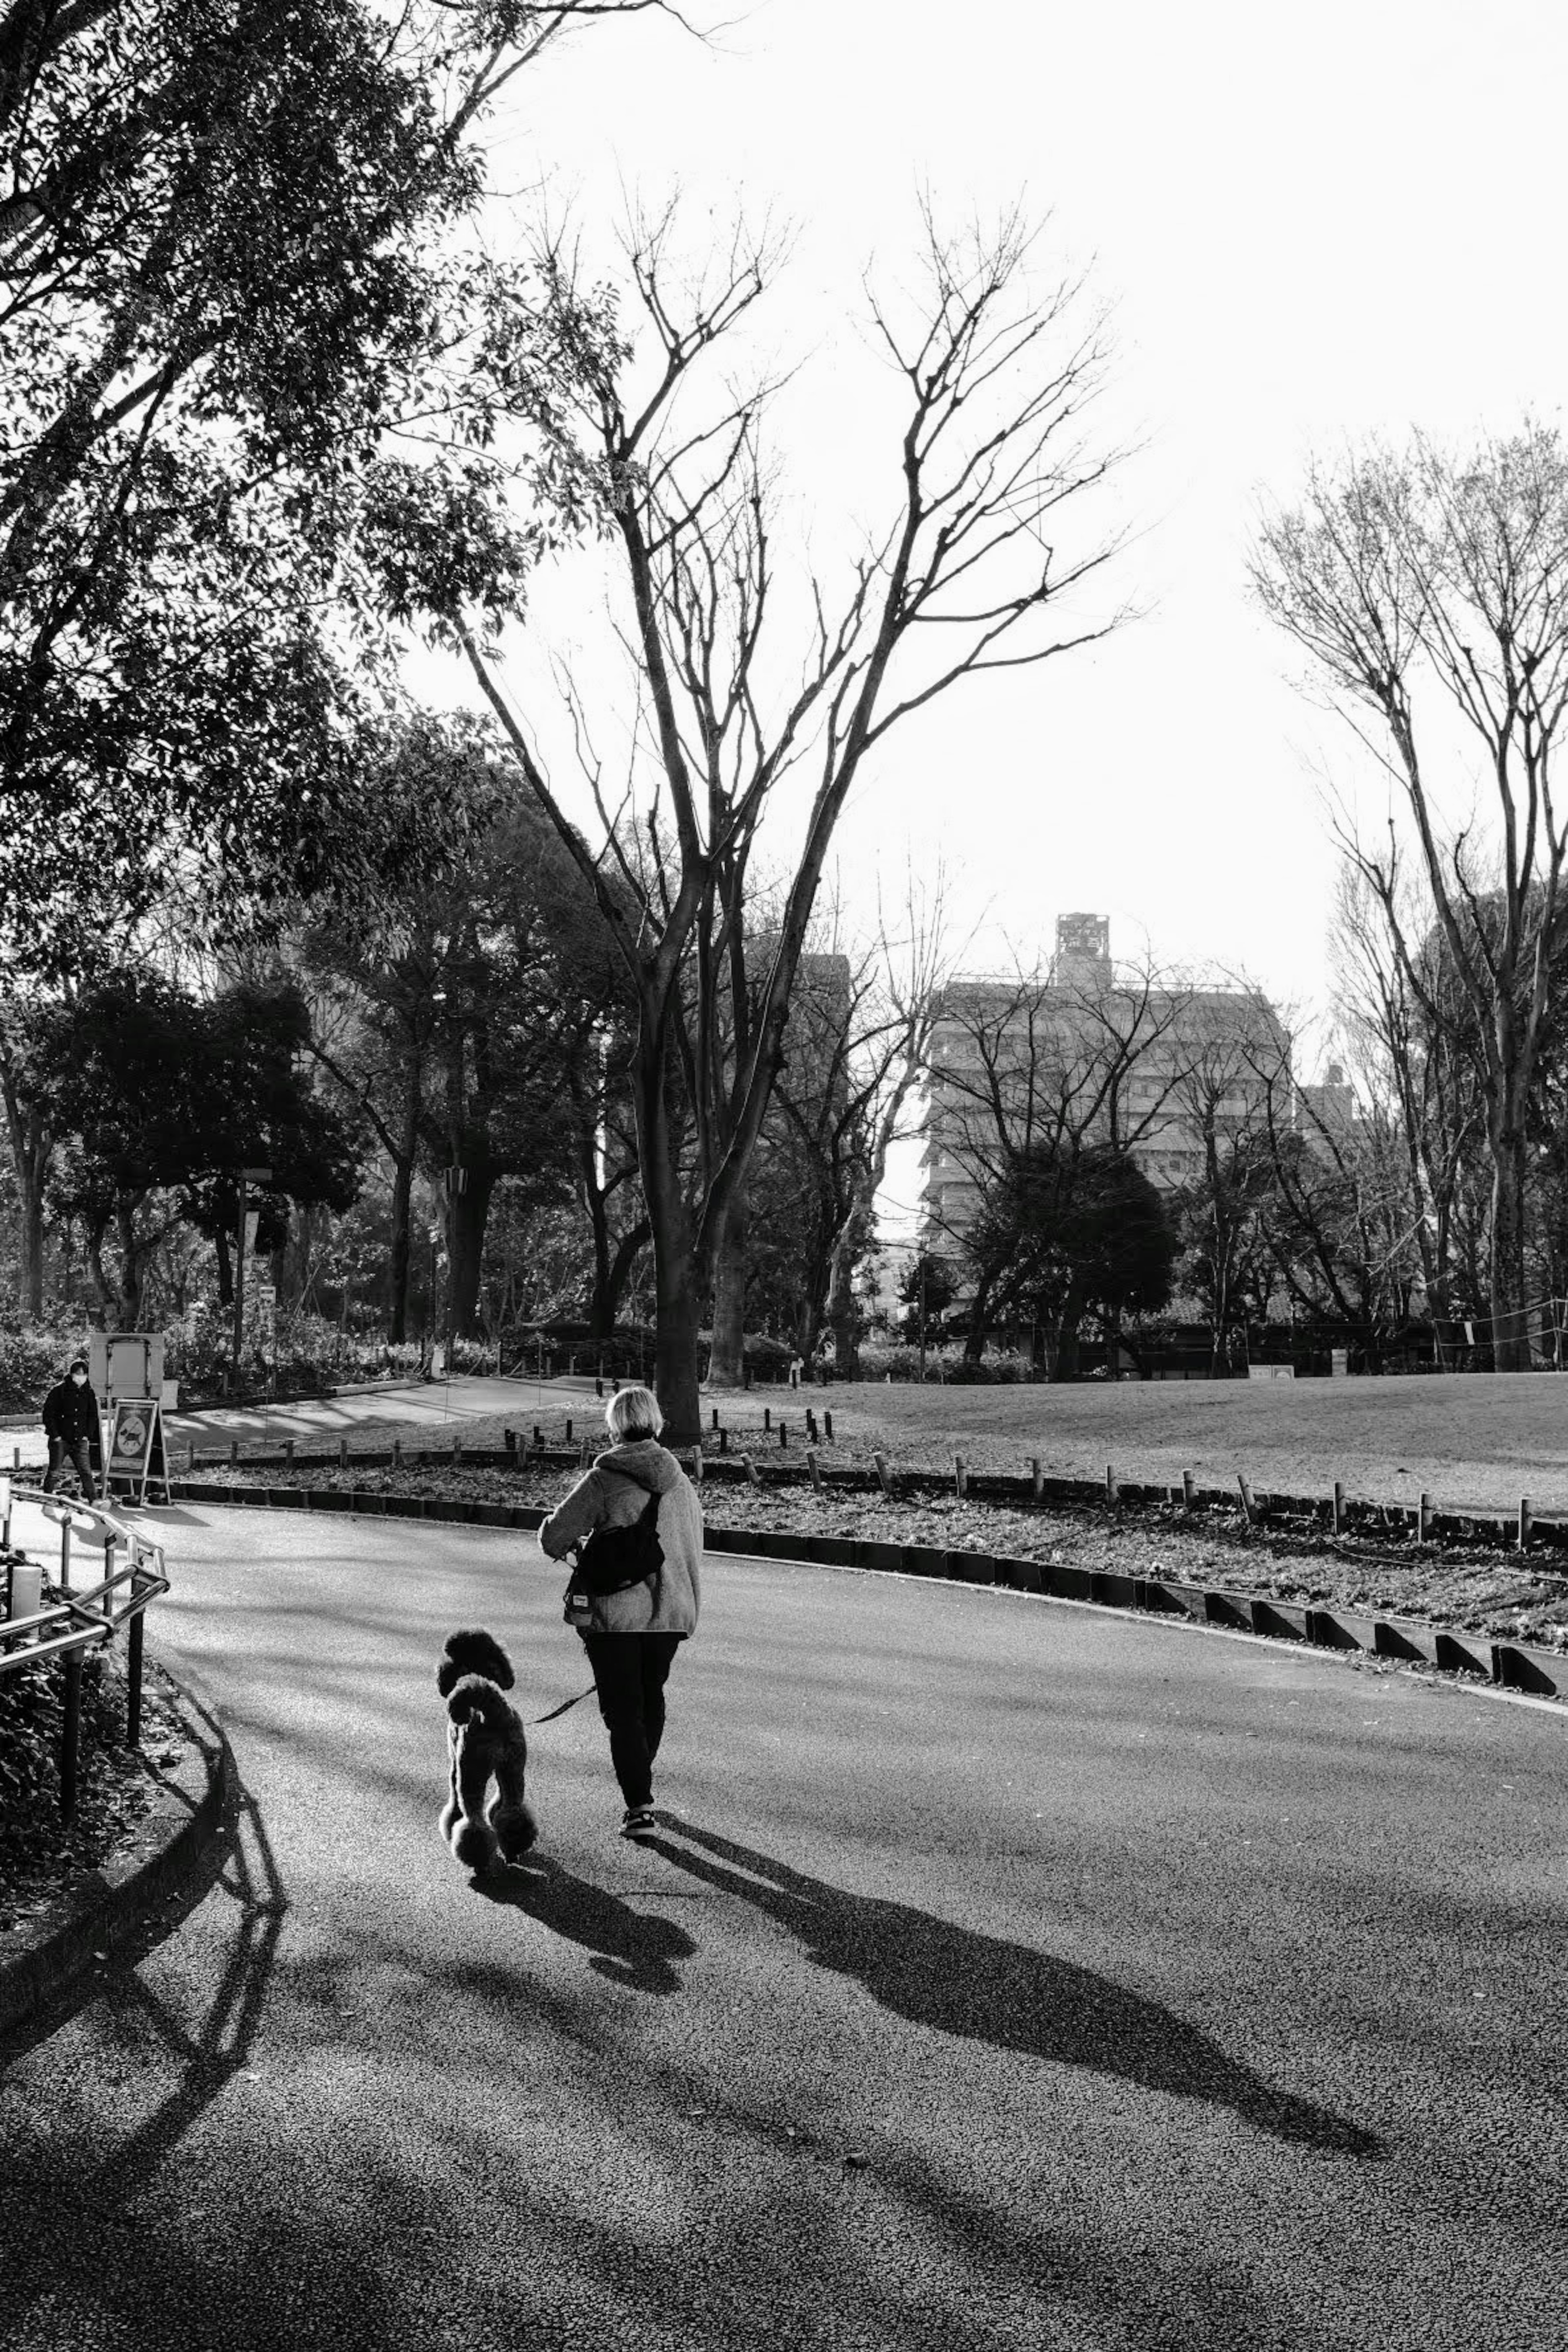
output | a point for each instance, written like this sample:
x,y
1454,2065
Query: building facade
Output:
x,y
1088,1056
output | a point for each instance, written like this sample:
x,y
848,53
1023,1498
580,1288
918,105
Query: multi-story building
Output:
x,y
1086,1055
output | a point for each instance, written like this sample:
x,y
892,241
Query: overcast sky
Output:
x,y
1309,226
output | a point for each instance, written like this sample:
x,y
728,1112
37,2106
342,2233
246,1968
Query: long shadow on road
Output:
x,y
627,1948
959,1981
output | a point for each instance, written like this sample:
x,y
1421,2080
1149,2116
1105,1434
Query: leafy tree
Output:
x,y
162,1100
230,266
477,1017
1061,1234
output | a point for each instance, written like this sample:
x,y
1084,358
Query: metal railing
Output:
x,y
69,1617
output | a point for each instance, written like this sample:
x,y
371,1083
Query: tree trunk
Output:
x,y
610,1281
468,1213
843,1316
400,1258
1067,1357
225,1254
1510,1339
727,1358
678,1346
32,1241
32,1148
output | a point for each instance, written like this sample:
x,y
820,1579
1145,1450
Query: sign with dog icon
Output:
x,y
136,1447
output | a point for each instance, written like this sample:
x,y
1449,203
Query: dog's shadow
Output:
x,y
627,1948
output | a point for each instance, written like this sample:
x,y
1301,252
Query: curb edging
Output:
x,y
1506,1665
112,1906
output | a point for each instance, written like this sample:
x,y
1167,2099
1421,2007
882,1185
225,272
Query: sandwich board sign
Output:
x,y
136,1448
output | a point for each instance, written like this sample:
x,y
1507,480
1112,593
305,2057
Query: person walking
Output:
x,y
632,1636
71,1427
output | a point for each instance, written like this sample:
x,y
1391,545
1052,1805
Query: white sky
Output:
x,y
1311,226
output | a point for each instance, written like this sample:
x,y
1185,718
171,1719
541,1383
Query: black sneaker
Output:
x,y
639,1819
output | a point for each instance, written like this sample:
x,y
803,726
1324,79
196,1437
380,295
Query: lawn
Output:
x,y
1471,1441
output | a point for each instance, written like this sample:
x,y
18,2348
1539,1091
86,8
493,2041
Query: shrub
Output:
x,y
31,1714
31,1362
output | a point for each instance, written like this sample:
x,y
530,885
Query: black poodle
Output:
x,y
485,1737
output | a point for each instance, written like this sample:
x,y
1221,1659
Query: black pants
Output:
x,y
630,1670
77,1450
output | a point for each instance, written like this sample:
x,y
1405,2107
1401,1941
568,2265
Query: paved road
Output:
x,y
1009,1975
436,1405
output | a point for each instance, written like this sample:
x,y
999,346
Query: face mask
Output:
x,y
79,1380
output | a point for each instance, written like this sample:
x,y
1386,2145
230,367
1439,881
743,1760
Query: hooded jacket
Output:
x,y
614,1493
70,1413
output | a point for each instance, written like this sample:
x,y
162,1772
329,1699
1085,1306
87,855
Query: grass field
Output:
x,y
1479,1440
1471,1441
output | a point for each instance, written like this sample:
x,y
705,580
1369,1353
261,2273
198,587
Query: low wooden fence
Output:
x,y
77,1607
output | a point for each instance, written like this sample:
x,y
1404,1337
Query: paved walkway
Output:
x,y
1005,1975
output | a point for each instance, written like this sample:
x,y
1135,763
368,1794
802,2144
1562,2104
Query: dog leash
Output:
x,y
535,1720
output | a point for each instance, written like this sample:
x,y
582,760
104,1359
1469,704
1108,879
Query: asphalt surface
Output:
x,y
1007,1974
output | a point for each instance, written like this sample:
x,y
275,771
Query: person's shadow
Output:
x,y
935,1974
628,1948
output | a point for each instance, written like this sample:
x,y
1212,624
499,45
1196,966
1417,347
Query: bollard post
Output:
x,y
883,1477
397,1453
1110,1482
715,1416
191,1455
66,1558
233,1453
1036,1476
958,1480
568,1429
723,1441
288,1452
456,1449
1186,1490
1247,1507
342,1454
784,1435
1524,1523
827,1426
133,1679
816,1472
537,1439
71,1735
751,1469
697,1465
1423,1513
767,1416
1339,1509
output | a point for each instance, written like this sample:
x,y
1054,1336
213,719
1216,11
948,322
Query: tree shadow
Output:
x,y
208,2049
628,1948
959,1981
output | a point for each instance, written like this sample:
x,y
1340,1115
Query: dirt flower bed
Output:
x,y
42,1861
1471,1588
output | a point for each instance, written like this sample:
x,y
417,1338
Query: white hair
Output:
x,y
633,1413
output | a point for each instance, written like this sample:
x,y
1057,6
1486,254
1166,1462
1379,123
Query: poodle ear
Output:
x,y
447,1676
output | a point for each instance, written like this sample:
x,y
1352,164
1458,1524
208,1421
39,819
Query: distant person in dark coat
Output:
x,y
71,1426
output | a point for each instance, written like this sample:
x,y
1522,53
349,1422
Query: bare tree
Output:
x,y
966,578
1419,574
1419,1081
